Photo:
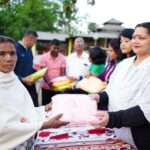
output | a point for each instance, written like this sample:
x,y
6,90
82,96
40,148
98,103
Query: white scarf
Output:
x,y
130,86
16,103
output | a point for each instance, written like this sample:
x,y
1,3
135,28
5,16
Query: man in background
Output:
x,y
56,63
24,66
78,62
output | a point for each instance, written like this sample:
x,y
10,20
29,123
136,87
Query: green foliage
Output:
x,y
19,15
68,16
92,26
16,16
2,2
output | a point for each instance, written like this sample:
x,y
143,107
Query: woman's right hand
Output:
x,y
95,97
54,122
102,119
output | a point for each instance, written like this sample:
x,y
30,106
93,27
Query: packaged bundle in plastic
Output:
x,y
39,74
61,83
92,85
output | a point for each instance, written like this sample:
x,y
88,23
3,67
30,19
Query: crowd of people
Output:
x,y
124,66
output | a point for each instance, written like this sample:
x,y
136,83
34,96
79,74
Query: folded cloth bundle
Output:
x,y
92,85
61,83
39,74
76,108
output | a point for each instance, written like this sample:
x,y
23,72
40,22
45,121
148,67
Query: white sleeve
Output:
x,y
12,131
145,101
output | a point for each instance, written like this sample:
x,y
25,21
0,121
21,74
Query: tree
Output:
x,y
68,16
4,2
91,2
92,26
19,15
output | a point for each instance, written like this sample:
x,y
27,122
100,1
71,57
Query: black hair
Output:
x,y
41,48
97,55
115,44
55,42
31,32
144,25
128,32
5,39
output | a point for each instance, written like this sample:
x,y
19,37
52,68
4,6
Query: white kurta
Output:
x,y
16,103
130,86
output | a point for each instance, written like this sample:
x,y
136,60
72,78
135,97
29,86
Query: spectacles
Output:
x,y
4,54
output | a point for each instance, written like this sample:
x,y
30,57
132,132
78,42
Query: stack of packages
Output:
x,y
80,137
79,134
61,83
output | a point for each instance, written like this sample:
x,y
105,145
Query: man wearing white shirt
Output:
x,y
78,62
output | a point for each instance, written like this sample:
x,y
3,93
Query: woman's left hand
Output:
x,y
103,119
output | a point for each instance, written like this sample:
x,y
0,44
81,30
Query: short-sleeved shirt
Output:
x,y
54,67
77,66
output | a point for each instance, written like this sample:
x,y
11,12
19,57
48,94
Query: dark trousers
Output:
x,y
47,96
32,91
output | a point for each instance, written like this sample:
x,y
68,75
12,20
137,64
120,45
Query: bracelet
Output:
x,y
80,77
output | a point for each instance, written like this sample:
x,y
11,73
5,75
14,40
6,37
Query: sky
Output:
x,y
130,12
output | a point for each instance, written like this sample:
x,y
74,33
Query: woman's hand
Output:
x,y
95,97
48,107
54,122
103,119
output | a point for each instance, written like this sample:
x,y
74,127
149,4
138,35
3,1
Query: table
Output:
x,y
117,145
79,138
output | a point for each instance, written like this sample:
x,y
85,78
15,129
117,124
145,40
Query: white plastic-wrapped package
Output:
x,y
92,85
76,108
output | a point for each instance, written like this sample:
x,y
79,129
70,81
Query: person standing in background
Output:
x,y
113,55
125,38
78,62
24,65
97,57
118,50
56,63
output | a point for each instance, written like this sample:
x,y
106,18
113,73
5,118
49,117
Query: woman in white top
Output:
x,y
19,119
127,94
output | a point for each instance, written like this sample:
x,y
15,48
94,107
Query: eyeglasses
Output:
x,y
4,54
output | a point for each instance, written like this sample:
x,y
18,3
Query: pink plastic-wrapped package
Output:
x,y
76,108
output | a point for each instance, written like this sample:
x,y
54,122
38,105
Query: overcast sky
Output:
x,y
130,12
